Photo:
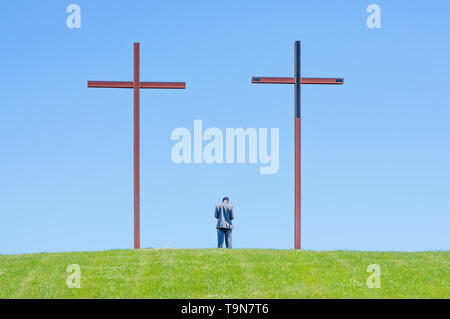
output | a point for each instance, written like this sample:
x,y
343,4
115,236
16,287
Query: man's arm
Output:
x,y
232,213
216,213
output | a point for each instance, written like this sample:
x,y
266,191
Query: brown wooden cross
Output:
x,y
136,85
297,80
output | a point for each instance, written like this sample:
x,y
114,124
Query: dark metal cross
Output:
x,y
297,80
136,85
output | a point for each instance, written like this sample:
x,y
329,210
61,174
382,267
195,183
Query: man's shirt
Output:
x,y
224,214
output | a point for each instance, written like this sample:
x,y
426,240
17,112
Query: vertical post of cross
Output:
x,y
297,141
137,241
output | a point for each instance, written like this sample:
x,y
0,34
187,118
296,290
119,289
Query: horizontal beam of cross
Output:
x,y
142,85
275,80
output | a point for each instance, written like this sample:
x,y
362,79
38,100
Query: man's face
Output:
x,y
225,201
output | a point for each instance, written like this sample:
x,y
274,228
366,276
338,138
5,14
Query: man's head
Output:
x,y
226,200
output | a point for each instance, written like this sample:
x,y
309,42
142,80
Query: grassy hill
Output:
x,y
238,273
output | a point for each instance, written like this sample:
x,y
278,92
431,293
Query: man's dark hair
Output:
x,y
225,198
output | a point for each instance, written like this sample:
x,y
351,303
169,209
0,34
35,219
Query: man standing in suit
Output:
x,y
224,214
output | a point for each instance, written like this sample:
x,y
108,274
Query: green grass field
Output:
x,y
238,273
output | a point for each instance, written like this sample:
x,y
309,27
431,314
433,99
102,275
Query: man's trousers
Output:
x,y
223,234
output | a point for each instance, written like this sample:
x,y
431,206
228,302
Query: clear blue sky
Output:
x,y
376,151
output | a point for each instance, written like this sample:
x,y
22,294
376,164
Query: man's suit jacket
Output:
x,y
224,214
